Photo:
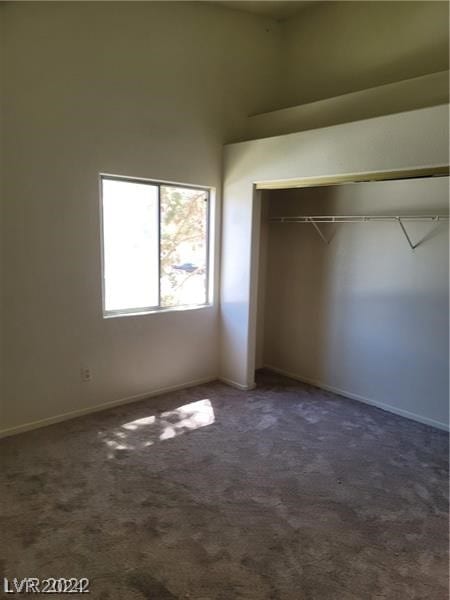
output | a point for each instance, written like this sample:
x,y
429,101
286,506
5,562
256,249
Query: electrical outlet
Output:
x,y
86,374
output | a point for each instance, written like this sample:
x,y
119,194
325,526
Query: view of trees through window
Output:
x,y
183,246
155,245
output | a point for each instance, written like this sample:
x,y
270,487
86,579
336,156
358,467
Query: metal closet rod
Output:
x,y
435,220
357,218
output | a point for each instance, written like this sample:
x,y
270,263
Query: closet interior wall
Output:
x,y
365,315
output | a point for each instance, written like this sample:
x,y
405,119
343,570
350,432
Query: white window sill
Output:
x,y
154,311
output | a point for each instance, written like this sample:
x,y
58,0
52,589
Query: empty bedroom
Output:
x,y
224,300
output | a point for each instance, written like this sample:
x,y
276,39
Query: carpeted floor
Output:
x,y
282,493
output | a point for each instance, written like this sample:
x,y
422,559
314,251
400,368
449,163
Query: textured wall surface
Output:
x,y
141,89
153,90
335,48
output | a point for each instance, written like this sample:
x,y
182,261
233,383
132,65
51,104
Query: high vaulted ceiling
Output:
x,y
276,9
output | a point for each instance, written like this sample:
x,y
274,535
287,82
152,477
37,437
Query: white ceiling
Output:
x,y
277,9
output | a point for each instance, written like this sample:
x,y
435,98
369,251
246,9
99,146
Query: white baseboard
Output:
x,y
387,407
104,406
237,385
99,407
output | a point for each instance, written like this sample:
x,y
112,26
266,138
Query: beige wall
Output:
x,y
364,315
148,89
334,48
136,88
419,92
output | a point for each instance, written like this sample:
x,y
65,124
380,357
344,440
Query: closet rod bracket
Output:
x,y
319,231
405,233
435,221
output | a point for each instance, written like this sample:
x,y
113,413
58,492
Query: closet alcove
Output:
x,y
353,288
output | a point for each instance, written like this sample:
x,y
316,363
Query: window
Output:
x,y
155,245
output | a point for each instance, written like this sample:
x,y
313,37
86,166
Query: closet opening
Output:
x,y
353,282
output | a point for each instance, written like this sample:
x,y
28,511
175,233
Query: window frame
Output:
x,y
126,312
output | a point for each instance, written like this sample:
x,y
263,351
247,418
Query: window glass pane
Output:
x,y
130,237
184,219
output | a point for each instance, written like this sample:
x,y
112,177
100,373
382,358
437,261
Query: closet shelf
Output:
x,y
400,219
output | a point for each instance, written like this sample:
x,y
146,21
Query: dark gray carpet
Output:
x,y
290,494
